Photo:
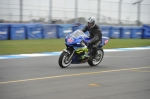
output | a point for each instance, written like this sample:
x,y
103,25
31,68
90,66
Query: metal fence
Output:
x,y
69,11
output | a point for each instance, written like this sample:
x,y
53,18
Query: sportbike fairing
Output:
x,y
77,36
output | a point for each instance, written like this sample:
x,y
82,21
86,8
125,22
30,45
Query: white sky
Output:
x,y
65,9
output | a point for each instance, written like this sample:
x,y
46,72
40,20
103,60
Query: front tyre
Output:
x,y
97,59
63,60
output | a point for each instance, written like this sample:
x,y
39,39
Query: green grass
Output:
x,y
50,45
123,43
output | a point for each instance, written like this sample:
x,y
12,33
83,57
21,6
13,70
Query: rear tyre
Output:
x,y
97,59
63,60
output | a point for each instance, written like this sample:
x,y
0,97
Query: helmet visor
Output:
x,y
90,24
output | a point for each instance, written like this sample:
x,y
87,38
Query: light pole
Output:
x,y
50,11
98,11
76,11
65,19
21,1
138,12
119,14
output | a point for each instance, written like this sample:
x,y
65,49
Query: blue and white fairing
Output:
x,y
75,39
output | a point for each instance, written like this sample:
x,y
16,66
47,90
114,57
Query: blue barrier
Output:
x,y
39,31
115,32
76,26
17,31
34,31
49,31
64,30
136,32
4,31
126,32
146,32
105,30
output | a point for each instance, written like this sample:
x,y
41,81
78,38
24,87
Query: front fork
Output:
x,y
71,54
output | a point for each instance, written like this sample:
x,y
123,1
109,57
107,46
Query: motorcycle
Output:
x,y
77,50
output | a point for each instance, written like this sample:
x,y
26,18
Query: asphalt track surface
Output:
x,y
121,75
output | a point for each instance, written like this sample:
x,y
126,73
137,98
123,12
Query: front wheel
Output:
x,y
97,59
64,60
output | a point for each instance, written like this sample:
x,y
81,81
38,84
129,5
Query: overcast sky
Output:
x,y
65,9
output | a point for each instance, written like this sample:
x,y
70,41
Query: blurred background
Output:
x,y
107,12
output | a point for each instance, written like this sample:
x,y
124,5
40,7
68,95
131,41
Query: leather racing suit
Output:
x,y
95,37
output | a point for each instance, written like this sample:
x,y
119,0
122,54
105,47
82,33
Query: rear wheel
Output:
x,y
97,58
64,60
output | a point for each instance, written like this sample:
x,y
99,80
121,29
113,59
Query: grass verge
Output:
x,y
50,45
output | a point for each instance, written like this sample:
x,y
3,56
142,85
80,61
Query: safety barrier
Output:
x,y
64,30
115,32
4,31
125,32
17,31
105,30
137,32
49,31
44,31
146,32
34,31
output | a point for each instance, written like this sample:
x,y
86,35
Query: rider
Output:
x,y
95,34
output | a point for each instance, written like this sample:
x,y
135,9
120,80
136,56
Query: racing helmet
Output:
x,y
91,22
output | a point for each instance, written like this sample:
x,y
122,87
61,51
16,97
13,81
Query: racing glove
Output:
x,y
89,42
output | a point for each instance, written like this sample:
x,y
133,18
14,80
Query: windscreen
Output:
x,y
78,33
